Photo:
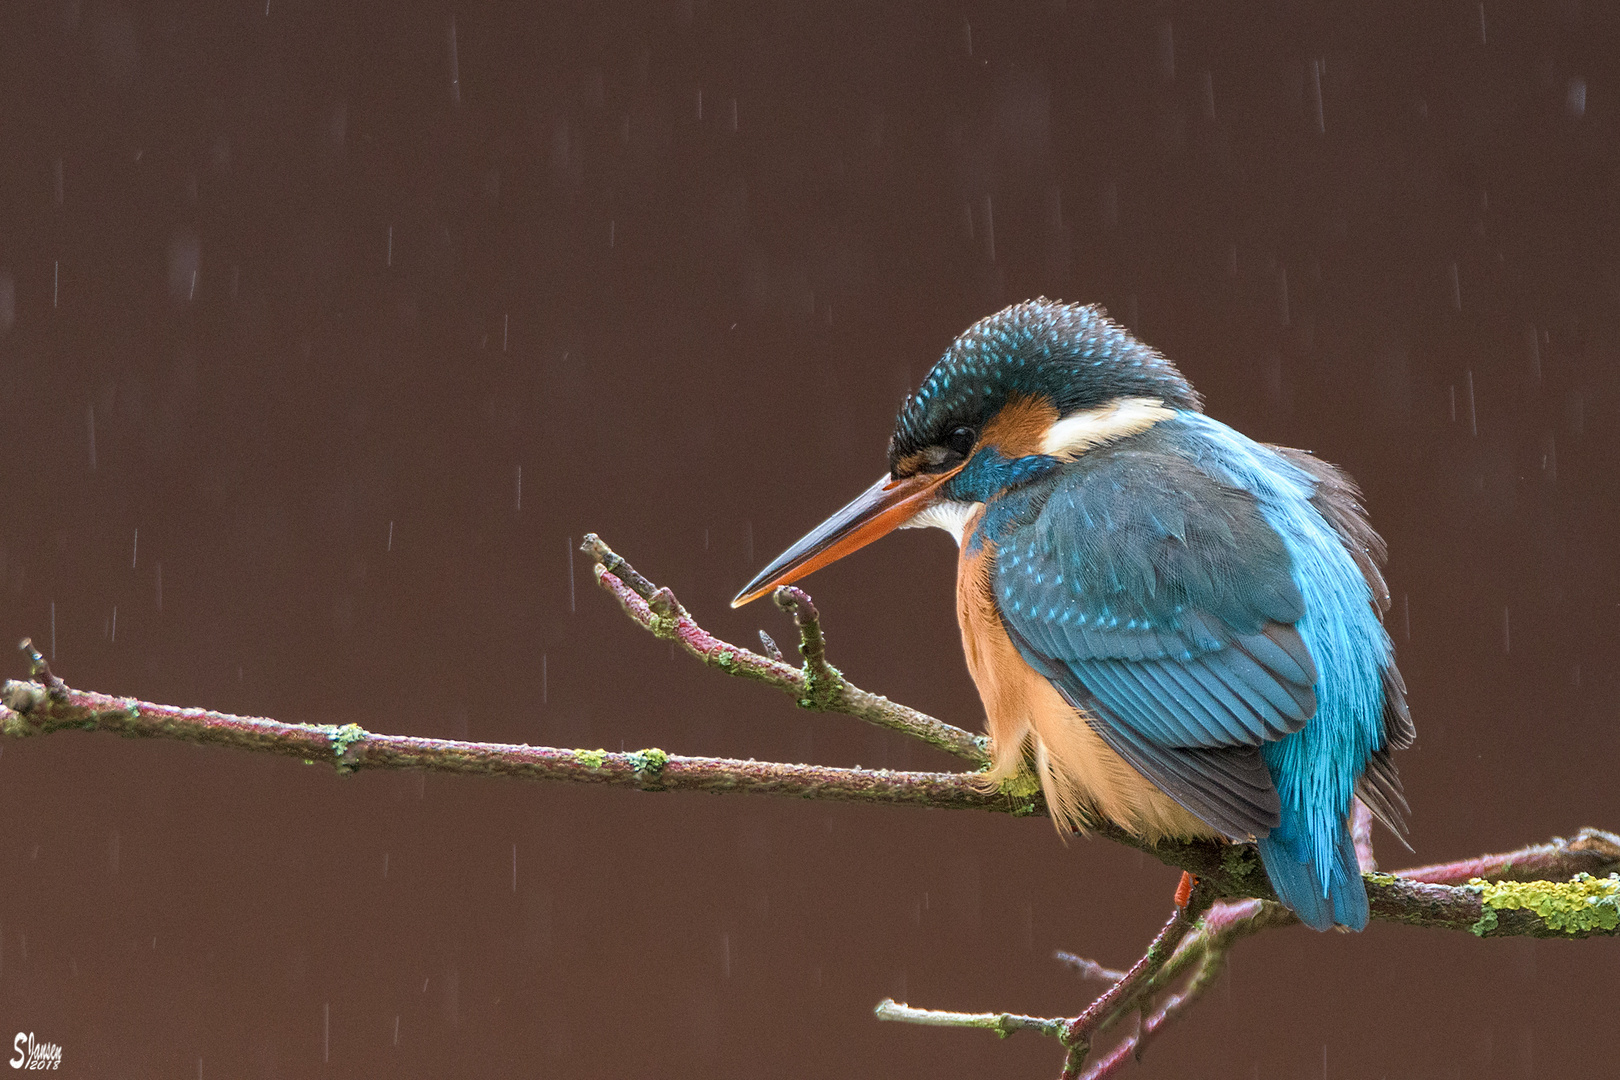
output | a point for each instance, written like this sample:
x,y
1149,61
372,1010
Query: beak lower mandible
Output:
x,y
874,513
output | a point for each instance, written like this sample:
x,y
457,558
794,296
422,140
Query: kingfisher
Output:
x,y
1178,629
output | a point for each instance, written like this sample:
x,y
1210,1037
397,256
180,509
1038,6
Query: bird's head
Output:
x,y
1017,394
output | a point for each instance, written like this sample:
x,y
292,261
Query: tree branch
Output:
x,y
1491,895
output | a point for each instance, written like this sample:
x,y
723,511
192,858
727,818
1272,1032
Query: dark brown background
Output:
x,y
677,262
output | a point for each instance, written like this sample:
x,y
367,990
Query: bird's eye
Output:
x,y
960,441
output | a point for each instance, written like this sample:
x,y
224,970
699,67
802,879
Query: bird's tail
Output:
x,y
1293,855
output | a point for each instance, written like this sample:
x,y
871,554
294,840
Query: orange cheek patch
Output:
x,y
1020,427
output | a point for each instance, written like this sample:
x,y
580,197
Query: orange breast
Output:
x,y
1027,719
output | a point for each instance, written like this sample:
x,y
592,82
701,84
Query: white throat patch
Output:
x,y
950,516
1078,432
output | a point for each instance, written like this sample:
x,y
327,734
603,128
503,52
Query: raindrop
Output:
x,y
135,549
700,103
390,536
326,1020
1316,92
455,65
1482,24
506,330
1209,96
1473,416
1456,288
114,639
56,281
518,506
1282,302
390,261
396,1029
1576,98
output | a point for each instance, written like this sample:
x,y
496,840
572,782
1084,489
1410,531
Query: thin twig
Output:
x,y
1003,1024
1089,969
1077,1034
822,680
1593,851
815,686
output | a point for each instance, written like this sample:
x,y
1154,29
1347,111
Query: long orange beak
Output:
x,y
874,513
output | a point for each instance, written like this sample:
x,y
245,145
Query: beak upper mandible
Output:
x,y
874,513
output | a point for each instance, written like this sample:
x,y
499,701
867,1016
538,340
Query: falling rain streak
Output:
x,y
1473,417
1317,67
455,65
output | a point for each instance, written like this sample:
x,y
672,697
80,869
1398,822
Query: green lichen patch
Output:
x,y
1582,905
1240,862
342,739
1021,789
591,759
648,763
1021,785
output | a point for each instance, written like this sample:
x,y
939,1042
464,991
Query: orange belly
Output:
x,y
1028,720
